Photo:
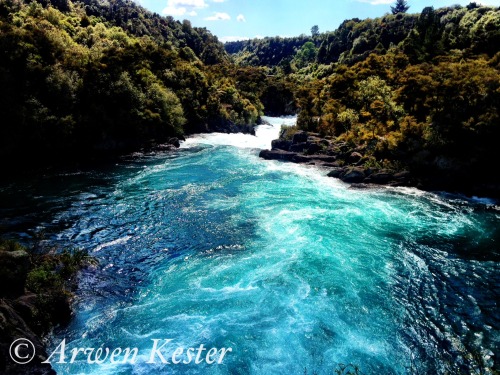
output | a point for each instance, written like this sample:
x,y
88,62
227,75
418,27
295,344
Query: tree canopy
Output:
x,y
401,6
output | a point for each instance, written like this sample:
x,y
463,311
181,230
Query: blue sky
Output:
x,y
243,19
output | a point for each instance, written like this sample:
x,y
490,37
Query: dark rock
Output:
x,y
380,178
327,165
300,137
313,148
353,175
325,158
355,157
315,135
277,155
298,147
301,159
369,171
13,327
281,144
26,306
403,175
402,178
175,142
336,172
14,267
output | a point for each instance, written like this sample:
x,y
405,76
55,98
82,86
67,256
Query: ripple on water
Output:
x,y
290,268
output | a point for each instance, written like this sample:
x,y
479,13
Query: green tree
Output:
x,y
315,30
401,6
307,54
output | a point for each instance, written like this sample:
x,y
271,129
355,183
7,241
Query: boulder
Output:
x,y
402,178
380,178
336,172
281,144
298,147
277,155
14,266
313,148
325,158
301,159
353,175
326,165
402,175
300,137
175,142
355,157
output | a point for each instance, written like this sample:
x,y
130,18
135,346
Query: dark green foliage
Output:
x,y
314,31
418,92
422,37
90,78
266,52
401,6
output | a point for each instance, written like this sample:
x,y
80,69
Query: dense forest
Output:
x,y
91,77
408,91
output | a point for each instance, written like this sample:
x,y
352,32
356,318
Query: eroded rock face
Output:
x,y
13,327
26,315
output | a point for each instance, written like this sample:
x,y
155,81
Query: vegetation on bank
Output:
x,y
48,274
36,286
411,91
415,91
82,77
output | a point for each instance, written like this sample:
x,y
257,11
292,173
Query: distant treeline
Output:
x,y
473,29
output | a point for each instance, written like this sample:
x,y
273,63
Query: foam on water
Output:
x,y
264,134
289,268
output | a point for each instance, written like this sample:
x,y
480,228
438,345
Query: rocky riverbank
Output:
x,y
348,164
356,165
35,297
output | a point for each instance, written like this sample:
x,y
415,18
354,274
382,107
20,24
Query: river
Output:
x,y
294,271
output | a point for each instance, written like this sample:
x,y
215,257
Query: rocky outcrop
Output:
x,y
338,158
29,315
14,326
18,314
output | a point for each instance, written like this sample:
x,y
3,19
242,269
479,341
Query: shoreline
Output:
x,y
349,165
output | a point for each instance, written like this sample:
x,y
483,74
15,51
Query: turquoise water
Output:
x,y
293,270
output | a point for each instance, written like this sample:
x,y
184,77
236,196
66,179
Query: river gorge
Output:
x,y
294,271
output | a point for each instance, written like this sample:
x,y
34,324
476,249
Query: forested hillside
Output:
x,y
408,91
418,92
473,29
86,78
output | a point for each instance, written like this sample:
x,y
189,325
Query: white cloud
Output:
x,y
219,17
173,11
218,1
181,7
225,39
241,18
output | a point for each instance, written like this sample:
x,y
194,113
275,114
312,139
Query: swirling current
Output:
x,y
295,271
